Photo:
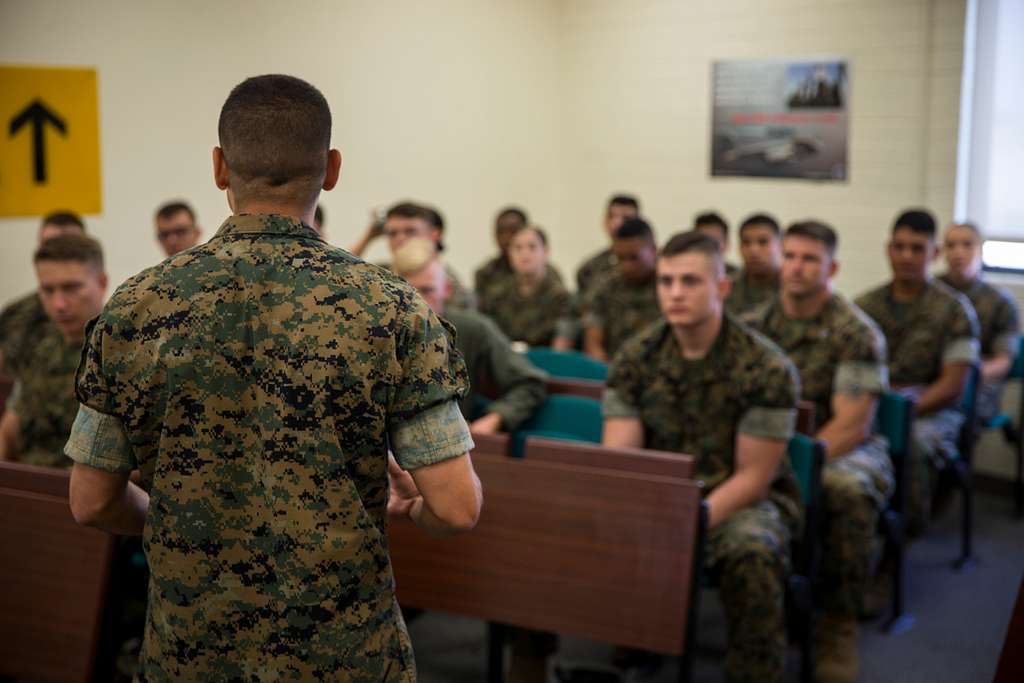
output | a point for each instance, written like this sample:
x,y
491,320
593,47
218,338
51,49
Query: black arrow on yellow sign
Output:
x,y
38,114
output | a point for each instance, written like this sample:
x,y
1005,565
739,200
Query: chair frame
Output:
x,y
892,523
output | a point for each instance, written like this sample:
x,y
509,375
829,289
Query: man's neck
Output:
x,y
300,212
806,307
907,290
696,340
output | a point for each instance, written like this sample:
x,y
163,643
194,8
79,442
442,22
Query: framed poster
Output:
x,y
780,118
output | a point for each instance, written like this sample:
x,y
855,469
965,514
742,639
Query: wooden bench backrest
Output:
x,y
600,554
635,460
53,579
586,388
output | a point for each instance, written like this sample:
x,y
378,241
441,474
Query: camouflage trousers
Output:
x,y
749,555
988,402
935,438
857,487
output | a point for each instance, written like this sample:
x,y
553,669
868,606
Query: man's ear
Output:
x,y
724,287
833,269
220,169
333,169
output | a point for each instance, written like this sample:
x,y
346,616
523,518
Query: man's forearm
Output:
x,y
937,396
740,490
593,343
996,369
840,439
125,516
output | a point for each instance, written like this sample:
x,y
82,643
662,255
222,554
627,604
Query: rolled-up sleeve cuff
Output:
x,y
592,320
961,350
435,435
566,327
769,423
1008,343
99,440
858,378
613,405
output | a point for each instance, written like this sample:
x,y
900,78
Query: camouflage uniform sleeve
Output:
x,y
862,365
593,307
98,438
962,334
522,387
100,441
1007,326
424,422
771,412
621,398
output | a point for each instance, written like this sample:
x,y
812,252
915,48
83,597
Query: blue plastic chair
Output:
x,y
894,420
961,469
807,457
571,364
565,417
1014,434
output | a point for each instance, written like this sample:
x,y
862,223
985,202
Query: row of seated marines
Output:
x,y
706,359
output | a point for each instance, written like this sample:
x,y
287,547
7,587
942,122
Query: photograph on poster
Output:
x,y
780,118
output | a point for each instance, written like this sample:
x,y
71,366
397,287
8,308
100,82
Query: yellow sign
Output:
x,y
49,141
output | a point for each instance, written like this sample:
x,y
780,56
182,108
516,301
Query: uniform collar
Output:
x,y
266,224
711,366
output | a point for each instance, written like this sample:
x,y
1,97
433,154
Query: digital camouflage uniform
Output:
x,y
44,400
999,325
743,386
535,319
495,372
22,323
593,271
257,382
937,328
746,296
840,351
496,271
621,309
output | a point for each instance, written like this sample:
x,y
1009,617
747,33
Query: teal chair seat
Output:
x,y
565,417
571,364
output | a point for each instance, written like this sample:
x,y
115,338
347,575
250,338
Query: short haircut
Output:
x,y
624,200
761,219
170,208
815,230
711,218
694,241
275,132
512,211
435,218
318,215
974,229
410,210
536,229
920,221
71,247
63,219
635,228
425,213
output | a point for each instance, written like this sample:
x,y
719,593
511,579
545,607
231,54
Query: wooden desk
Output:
x,y
597,553
53,579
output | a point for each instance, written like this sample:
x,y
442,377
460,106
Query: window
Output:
x,y
991,152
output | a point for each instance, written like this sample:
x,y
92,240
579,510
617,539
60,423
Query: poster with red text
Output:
x,y
780,118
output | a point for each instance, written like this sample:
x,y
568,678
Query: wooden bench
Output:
x,y
586,388
591,551
54,577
